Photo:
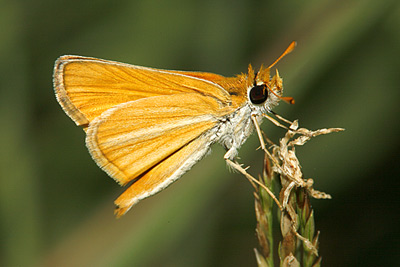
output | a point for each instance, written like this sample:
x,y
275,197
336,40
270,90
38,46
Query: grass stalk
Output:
x,y
300,241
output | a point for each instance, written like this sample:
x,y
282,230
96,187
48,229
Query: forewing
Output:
x,y
86,87
131,138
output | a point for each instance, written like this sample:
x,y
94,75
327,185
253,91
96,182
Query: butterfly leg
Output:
x,y
236,166
260,137
229,155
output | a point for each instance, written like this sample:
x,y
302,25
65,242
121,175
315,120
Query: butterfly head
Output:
x,y
264,92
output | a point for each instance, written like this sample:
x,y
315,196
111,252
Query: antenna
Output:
x,y
287,51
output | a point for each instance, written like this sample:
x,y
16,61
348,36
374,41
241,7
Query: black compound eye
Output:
x,y
258,94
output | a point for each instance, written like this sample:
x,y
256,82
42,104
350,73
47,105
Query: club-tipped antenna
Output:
x,y
287,51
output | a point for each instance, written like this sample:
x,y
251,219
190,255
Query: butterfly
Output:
x,y
146,127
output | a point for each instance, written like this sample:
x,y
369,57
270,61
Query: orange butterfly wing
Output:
x,y
144,126
86,87
163,174
153,140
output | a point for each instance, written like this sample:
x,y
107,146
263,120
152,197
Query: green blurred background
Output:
x,y
57,205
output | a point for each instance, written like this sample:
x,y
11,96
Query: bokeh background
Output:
x,y
56,205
